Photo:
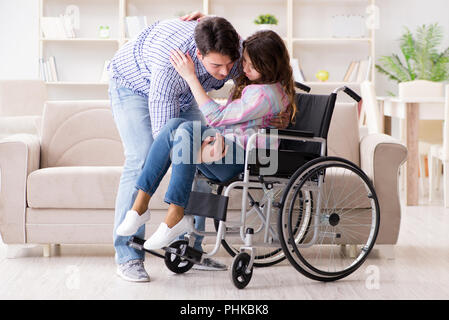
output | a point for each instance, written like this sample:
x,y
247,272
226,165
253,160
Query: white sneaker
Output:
x,y
132,222
165,235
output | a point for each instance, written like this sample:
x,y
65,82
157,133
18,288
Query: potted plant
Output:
x,y
266,21
422,59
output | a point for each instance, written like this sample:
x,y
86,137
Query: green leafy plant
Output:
x,y
266,19
421,57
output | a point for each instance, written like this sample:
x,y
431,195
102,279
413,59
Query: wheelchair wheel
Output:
x,y
174,262
239,275
265,259
344,211
265,256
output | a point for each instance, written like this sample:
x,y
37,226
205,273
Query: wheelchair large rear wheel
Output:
x,y
315,235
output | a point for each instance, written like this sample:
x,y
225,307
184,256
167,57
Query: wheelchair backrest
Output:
x,y
314,114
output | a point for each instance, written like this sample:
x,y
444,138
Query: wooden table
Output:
x,y
412,110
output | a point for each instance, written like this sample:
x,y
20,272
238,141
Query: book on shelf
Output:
x,y
60,27
298,75
47,69
53,72
350,71
41,69
48,72
135,24
105,75
368,67
358,71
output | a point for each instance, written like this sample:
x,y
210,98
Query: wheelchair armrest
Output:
x,y
289,132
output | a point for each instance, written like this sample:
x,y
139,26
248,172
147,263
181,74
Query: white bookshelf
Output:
x,y
303,24
324,41
79,40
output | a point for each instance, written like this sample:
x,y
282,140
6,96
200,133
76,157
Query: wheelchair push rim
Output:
x,y
345,211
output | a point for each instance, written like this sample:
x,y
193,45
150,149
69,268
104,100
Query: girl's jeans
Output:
x,y
132,118
177,145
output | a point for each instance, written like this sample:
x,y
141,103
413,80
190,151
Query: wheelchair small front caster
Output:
x,y
173,257
239,273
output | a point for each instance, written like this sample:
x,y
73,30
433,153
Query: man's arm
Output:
x,y
163,97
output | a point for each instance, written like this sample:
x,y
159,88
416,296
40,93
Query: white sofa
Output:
x,y
60,187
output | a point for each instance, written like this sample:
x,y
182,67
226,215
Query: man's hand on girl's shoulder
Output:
x,y
196,15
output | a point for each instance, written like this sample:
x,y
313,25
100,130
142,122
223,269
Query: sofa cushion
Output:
x,y
80,133
343,136
86,187
73,187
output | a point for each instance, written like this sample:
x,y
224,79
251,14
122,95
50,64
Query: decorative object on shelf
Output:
x,y
422,59
57,27
372,20
104,32
266,21
322,75
348,26
63,26
73,12
135,24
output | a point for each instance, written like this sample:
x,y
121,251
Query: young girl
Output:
x,y
264,90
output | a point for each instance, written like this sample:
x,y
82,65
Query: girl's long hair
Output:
x,y
270,58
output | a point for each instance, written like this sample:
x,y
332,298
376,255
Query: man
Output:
x,y
146,91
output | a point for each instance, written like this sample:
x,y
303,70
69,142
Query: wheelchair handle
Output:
x,y
302,87
352,94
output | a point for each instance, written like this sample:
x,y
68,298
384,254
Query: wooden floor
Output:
x,y
419,270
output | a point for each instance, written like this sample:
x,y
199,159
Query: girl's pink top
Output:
x,y
240,118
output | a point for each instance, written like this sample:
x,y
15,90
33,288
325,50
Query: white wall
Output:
x,y
19,36
19,47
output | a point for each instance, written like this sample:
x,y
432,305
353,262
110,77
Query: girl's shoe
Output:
x,y
132,222
165,235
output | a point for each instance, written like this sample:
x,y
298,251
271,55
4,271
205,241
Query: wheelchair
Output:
x,y
319,212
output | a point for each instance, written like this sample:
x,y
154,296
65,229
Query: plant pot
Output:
x,y
266,27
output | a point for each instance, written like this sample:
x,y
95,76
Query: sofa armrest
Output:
x,y
19,156
381,156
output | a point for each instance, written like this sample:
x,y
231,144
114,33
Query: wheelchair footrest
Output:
x,y
207,205
186,252
137,243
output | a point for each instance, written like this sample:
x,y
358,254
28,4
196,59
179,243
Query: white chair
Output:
x,y
439,154
430,131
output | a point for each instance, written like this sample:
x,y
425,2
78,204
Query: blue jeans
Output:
x,y
132,118
177,145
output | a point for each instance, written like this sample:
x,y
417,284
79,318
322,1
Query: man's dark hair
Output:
x,y
216,34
